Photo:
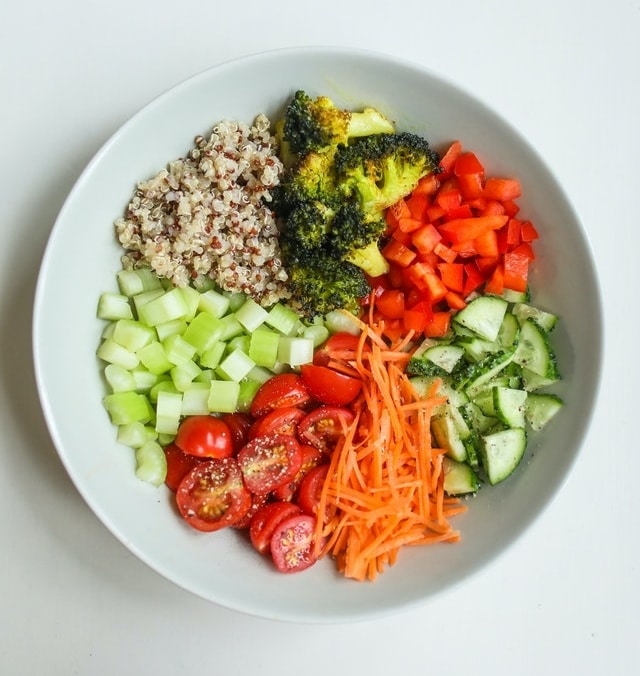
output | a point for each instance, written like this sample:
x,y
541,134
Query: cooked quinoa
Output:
x,y
207,215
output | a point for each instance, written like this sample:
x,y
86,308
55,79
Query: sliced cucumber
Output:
x,y
509,405
534,351
459,478
483,316
502,452
540,408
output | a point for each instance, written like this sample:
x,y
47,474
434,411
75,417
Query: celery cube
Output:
x,y
223,396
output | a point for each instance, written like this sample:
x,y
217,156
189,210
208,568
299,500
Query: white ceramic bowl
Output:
x,y
82,258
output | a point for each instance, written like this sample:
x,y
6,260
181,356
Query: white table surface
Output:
x,y
564,598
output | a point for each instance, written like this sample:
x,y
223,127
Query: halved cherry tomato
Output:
x,y
311,457
342,340
279,421
205,436
324,425
311,487
179,464
257,502
212,495
284,389
265,521
239,424
269,461
329,386
292,543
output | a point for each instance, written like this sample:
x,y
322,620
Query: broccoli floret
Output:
x,y
354,236
384,167
306,228
327,284
311,125
311,179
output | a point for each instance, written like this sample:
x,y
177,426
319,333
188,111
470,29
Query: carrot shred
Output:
x,y
385,484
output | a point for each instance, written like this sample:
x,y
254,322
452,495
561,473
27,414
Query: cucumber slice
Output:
x,y
484,316
534,351
459,478
509,405
502,452
545,320
448,434
540,408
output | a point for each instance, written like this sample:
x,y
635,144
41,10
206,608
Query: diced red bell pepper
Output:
x,y
465,229
398,253
425,238
516,269
390,303
502,189
452,275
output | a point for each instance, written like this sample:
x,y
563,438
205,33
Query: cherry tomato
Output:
x,y
342,340
324,425
239,424
279,421
205,436
292,543
284,389
311,488
329,386
179,464
269,461
212,495
257,502
265,522
311,457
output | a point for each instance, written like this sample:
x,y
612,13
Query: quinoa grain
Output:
x,y
207,216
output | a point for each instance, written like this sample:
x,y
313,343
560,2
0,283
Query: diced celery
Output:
x,y
241,342
141,299
171,328
260,374
128,407
108,330
263,347
170,305
135,434
337,321
164,384
133,282
112,306
205,376
295,350
177,349
235,300
214,302
251,315
132,334
211,358
283,319
317,332
112,352
119,379
184,374
203,331
235,366
143,379
223,396
168,412
195,399
154,358
231,327
192,299
151,463
248,389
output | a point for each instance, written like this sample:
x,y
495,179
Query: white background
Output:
x,y
563,599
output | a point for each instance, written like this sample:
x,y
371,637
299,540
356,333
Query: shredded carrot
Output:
x,y
385,485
